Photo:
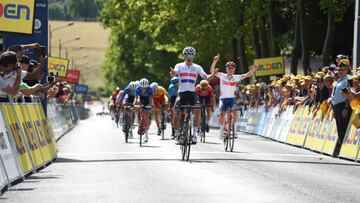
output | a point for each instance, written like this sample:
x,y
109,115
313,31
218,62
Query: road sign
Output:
x,y
72,76
80,88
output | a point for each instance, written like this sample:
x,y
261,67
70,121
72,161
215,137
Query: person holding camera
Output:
x,y
341,107
11,76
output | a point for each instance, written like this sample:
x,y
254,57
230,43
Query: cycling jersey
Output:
x,y
173,90
228,86
188,75
147,94
127,91
208,92
160,96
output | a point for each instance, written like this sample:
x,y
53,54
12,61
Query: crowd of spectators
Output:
x,y
332,90
20,76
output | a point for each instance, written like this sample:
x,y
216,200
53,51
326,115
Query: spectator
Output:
x,y
11,78
341,107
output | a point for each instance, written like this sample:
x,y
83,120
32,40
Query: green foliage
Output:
x,y
56,11
149,35
74,10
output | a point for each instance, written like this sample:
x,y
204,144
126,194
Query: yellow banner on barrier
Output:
x,y
30,136
58,66
270,66
331,137
299,126
350,145
17,16
314,139
45,147
50,138
15,131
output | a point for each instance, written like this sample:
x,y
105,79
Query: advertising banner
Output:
x,y
270,66
15,131
29,136
58,66
331,136
7,152
72,76
350,146
17,16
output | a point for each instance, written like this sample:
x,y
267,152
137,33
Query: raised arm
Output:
x,y
250,73
213,65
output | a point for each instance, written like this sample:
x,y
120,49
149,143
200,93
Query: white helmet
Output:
x,y
189,50
132,85
144,83
117,88
154,85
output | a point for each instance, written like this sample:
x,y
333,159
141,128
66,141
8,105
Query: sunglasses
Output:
x,y
189,56
230,67
341,69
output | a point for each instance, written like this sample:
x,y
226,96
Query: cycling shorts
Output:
x,y
186,98
144,101
227,103
172,101
207,100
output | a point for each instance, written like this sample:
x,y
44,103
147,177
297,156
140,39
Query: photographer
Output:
x,y
341,107
353,93
9,84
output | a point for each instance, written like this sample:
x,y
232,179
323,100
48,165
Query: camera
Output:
x,y
345,90
42,51
50,79
350,83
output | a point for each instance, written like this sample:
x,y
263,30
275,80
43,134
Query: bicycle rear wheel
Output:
x,y
126,126
162,125
203,125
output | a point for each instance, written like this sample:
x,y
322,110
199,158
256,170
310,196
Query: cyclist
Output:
x,y
143,96
128,97
173,90
113,101
206,96
187,72
159,98
228,83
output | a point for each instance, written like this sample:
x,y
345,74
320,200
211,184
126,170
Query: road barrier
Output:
x,y
300,127
28,139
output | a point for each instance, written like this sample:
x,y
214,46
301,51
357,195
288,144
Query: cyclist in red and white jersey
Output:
x,y
228,83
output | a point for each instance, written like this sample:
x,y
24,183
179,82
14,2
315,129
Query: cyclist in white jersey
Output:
x,y
187,72
228,83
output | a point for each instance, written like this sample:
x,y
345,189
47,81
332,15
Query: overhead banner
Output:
x,y
58,66
270,66
82,89
17,16
72,76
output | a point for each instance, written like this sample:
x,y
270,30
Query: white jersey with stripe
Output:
x,y
228,86
188,75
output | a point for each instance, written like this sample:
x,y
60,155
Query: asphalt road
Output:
x,y
95,165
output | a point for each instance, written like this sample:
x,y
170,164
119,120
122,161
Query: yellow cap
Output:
x,y
320,74
299,77
354,77
345,62
308,77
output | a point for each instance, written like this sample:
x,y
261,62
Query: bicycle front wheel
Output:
x,y
188,141
232,137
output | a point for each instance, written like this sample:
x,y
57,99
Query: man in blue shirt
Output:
x,y
341,107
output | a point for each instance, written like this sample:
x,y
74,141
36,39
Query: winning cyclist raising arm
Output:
x,y
228,83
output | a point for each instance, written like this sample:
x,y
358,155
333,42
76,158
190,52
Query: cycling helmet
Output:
x,y
154,85
174,80
189,50
117,88
230,63
144,83
132,85
204,83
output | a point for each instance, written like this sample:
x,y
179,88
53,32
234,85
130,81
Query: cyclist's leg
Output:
x,y
223,105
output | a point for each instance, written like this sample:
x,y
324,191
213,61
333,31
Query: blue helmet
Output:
x,y
174,80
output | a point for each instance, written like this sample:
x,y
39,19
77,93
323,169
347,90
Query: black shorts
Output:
x,y
145,101
129,99
186,98
172,101
206,100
